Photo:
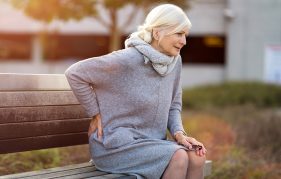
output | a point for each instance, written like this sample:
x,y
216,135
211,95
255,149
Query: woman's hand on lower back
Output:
x,y
95,124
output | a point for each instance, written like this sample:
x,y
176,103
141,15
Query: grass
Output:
x,y
229,138
26,161
41,159
243,118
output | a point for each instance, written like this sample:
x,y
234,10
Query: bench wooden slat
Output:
x,y
42,142
41,113
127,177
88,175
76,171
43,128
110,176
36,98
84,170
51,170
14,82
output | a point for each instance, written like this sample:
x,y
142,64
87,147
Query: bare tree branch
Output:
x,y
131,17
102,21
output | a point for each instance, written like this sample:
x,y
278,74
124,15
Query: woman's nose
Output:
x,y
183,40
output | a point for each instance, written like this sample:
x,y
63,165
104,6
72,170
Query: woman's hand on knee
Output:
x,y
95,124
191,143
198,146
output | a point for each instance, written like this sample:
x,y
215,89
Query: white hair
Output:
x,y
165,16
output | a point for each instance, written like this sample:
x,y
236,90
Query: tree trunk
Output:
x,y
115,35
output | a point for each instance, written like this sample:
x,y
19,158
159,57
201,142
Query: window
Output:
x,y
60,46
15,46
204,50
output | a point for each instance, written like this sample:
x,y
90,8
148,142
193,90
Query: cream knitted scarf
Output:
x,y
161,63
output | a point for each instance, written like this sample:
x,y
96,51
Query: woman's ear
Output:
x,y
155,34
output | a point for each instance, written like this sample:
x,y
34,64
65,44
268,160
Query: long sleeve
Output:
x,y
174,120
82,89
87,75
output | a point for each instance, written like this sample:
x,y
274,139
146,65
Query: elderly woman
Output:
x,y
134,95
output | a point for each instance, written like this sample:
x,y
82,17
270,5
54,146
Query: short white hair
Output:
x,y
165,16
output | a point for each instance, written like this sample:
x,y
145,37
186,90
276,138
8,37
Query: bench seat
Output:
x,y
79,171
76,171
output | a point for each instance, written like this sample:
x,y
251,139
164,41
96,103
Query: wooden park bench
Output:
x,y
39,112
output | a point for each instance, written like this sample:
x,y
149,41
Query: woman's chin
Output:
x,y
173,54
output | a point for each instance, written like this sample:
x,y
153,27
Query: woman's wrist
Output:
x,y
94,117
179,134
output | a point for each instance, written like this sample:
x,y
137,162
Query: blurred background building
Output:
x,y
229,40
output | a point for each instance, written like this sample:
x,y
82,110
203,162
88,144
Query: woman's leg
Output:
x,y
178,165
195,166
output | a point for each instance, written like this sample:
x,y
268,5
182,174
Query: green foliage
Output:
x,y
117,4
49,10
57,9
28,161
233,93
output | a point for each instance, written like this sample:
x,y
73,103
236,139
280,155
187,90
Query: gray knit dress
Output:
x,y
137,105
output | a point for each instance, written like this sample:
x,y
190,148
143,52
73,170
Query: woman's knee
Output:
x,y
195,160
180,157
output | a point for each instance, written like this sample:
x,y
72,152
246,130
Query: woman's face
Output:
x,y
171,44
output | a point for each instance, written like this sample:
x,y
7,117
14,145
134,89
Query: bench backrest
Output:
x,y
38,112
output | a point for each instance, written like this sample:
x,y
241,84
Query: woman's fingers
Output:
x,y
198,152
99,126
187,144
202,151
181,139
93,126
